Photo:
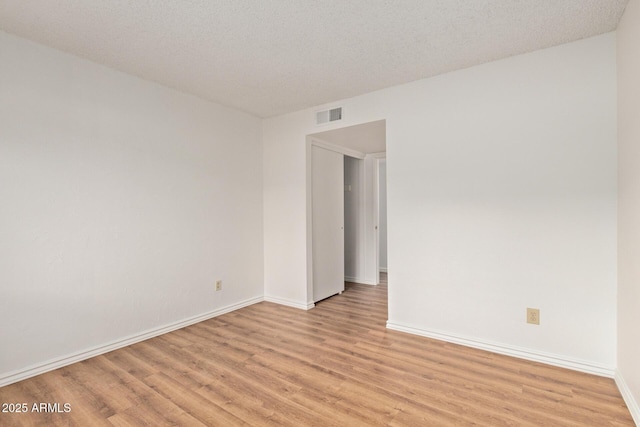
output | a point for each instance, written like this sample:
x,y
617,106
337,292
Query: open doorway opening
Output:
x,y
382,217
353,224
362,147
365,218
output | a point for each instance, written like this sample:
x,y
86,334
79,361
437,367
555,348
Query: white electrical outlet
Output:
x,y
218,285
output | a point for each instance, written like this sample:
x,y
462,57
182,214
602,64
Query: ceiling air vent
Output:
x,y
328,116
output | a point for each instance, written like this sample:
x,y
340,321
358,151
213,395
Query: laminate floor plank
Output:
x,y
334,365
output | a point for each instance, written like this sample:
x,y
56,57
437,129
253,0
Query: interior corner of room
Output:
x,y
129,209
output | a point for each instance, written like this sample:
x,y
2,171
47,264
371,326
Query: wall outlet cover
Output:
x,y
533,316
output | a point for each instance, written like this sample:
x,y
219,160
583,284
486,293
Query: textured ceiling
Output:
x,y
269,57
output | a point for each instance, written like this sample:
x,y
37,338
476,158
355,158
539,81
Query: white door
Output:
x,y
327,222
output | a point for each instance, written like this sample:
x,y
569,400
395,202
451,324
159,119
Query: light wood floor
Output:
x,y
333,365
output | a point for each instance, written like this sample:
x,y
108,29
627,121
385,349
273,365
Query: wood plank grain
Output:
x,y
334,365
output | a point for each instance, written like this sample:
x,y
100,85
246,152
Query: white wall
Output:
x,y
382,220
628,36
502,183
121,202
502,196
285,214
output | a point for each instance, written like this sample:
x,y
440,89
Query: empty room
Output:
x,y
303,213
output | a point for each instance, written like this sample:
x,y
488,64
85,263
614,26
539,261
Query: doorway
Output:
x,y
382,216
381,209
361,148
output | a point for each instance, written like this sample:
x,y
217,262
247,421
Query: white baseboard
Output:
x,y
290,303
522,353
41,368
632,404
358,281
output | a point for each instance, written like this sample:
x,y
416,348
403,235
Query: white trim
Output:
x,y
522,353
308,222
337,148
632,405
380,155
41,368
290,303
383,269
358,281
